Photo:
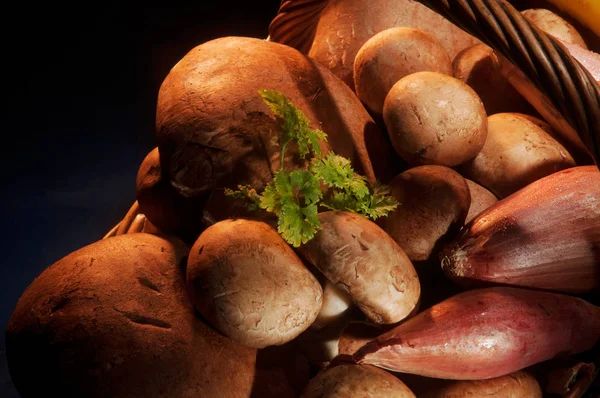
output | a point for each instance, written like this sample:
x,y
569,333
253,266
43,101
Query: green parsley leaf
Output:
x,y
341,201
298,225
246,193
293,197
379,204
295,125
350,191
270,199
337,171
307,184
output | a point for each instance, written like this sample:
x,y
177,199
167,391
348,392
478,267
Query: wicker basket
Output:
x,y
570,97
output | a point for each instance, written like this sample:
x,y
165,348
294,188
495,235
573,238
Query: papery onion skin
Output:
x,y
545,236
485,333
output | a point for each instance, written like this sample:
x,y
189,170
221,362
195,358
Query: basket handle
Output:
x,y
296,22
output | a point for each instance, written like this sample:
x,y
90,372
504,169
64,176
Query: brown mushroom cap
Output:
x,y
391,55
363,260
113,319
481,199
434,203
248,282
433,118
515,385
356,381
518,151
479,67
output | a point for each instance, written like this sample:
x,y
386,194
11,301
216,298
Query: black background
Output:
x,y
79,92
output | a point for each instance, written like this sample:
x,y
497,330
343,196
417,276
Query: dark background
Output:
x,y
79,96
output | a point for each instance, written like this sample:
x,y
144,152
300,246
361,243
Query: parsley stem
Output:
x,y
282,156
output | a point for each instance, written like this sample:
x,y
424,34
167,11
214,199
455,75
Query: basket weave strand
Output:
x,y
296,23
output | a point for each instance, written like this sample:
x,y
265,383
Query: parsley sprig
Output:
x,y
329,181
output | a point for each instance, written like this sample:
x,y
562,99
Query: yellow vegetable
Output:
x,y
587,12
